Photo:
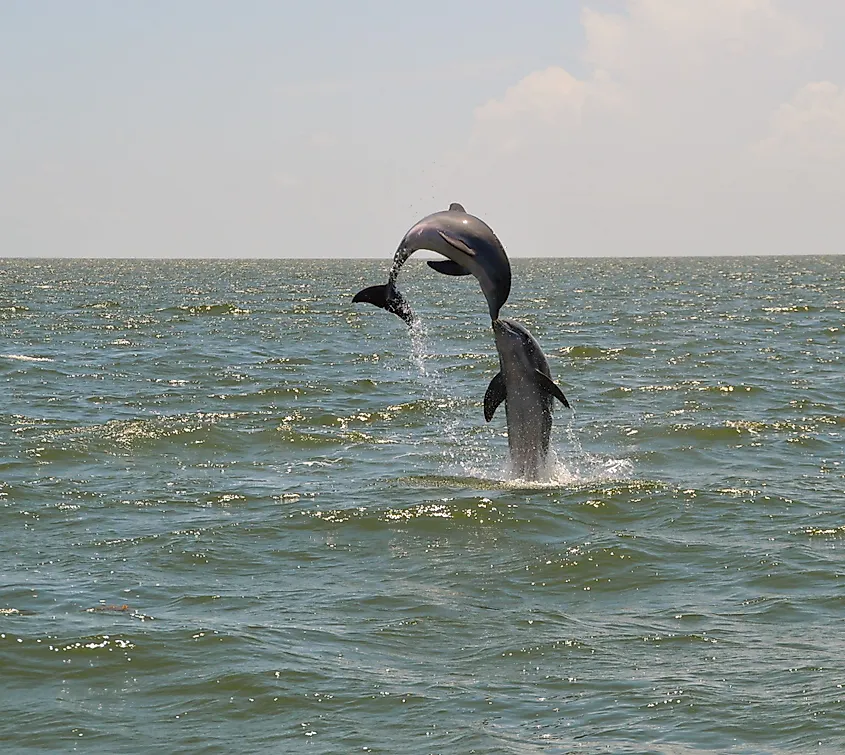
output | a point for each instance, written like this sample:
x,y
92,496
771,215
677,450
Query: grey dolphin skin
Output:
x,y
471,248
524,383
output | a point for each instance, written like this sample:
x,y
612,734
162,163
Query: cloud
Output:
x,y
692,33
673,139
549,96
809,130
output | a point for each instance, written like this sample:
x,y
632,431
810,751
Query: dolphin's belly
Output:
x,y
529,418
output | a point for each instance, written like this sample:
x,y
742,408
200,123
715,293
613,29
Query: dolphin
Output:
x,y
471,248
524,383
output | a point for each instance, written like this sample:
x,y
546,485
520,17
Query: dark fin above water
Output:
x,y
387,297
457,244
547,384
373,295
455,207
448,267
494,396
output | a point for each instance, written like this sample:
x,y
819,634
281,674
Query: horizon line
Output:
x,y
421,258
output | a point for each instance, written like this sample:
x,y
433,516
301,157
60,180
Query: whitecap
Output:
x,y
25,358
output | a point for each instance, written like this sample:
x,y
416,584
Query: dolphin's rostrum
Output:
x,y
524,384
471,248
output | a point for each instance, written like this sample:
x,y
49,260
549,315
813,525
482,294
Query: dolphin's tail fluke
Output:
x,y
387,297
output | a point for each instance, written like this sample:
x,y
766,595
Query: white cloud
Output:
x,y
545,101
810,129
548,95
692,32
671,141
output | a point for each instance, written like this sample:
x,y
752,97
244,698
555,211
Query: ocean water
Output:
x,y
240,514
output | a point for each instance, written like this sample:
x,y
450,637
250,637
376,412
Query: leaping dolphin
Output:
x,y
471,248
524,383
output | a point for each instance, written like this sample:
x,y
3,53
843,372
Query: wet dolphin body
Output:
x,y
471,248
524,383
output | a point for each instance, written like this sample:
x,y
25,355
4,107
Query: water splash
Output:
x,y
421,352
399,259
476,455
464,447
579,465
568,466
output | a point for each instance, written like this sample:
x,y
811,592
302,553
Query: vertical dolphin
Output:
x,y
471,248
524,383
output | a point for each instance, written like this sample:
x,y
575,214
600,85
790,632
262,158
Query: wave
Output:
x,y
215,310
25,358
684,385
601,353
121,436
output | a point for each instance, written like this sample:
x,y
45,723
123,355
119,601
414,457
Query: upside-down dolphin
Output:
x,y
471,248
524,383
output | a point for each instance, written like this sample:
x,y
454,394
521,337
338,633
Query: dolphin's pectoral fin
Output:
x,y
494,396
448,267
457,244
547,384
455,207
387,297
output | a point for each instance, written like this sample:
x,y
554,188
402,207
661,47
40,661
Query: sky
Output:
x,y
267,128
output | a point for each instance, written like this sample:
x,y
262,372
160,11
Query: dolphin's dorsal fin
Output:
x,y
547,384
457,244
455,207
448,267
496,393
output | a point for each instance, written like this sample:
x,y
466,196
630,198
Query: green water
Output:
x,y
240,514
